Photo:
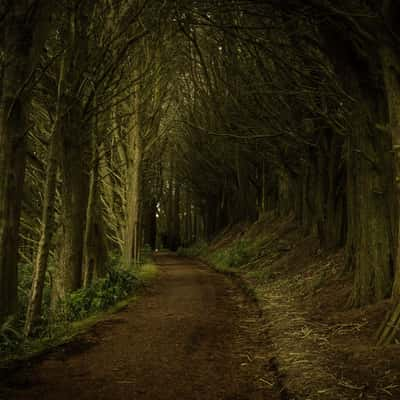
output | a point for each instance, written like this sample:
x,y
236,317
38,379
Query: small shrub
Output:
x,y
233,256
146,253
102,294
10,336
196,250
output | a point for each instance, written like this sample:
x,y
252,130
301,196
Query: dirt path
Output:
x,y
193,336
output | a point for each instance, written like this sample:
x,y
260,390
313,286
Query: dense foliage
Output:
x,y
117,285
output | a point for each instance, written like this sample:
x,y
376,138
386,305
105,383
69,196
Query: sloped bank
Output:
x,y
322,348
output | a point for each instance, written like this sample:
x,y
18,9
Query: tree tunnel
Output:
x,y
136,123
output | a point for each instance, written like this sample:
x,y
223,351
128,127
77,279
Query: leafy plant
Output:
x,y
198,249
146,253
102,294
10,336
233,256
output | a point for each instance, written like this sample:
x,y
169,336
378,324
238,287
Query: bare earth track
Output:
x,y
194,336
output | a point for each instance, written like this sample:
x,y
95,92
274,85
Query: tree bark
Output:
x,y
135,156
74,203
150,223
89,245
391,72
23,39
47,229
74,194
369,243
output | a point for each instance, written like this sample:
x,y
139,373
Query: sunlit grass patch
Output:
x,y
146,272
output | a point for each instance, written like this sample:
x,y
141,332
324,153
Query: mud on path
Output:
x,y
194,336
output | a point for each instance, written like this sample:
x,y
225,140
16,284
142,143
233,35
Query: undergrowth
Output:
x,y
117,285
237,254
234,256
102,294
196,250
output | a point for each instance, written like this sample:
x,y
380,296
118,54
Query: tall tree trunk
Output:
x,y
150,223
177,219
188,220
47,229
74,203
75,183
135,156
283,194
335,196
12,166
20,41
369,242
391,71
89,247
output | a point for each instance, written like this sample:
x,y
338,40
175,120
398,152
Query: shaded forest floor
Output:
x,y
323,349
194,335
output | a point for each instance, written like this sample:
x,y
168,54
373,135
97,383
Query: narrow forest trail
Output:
x,y
193,336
